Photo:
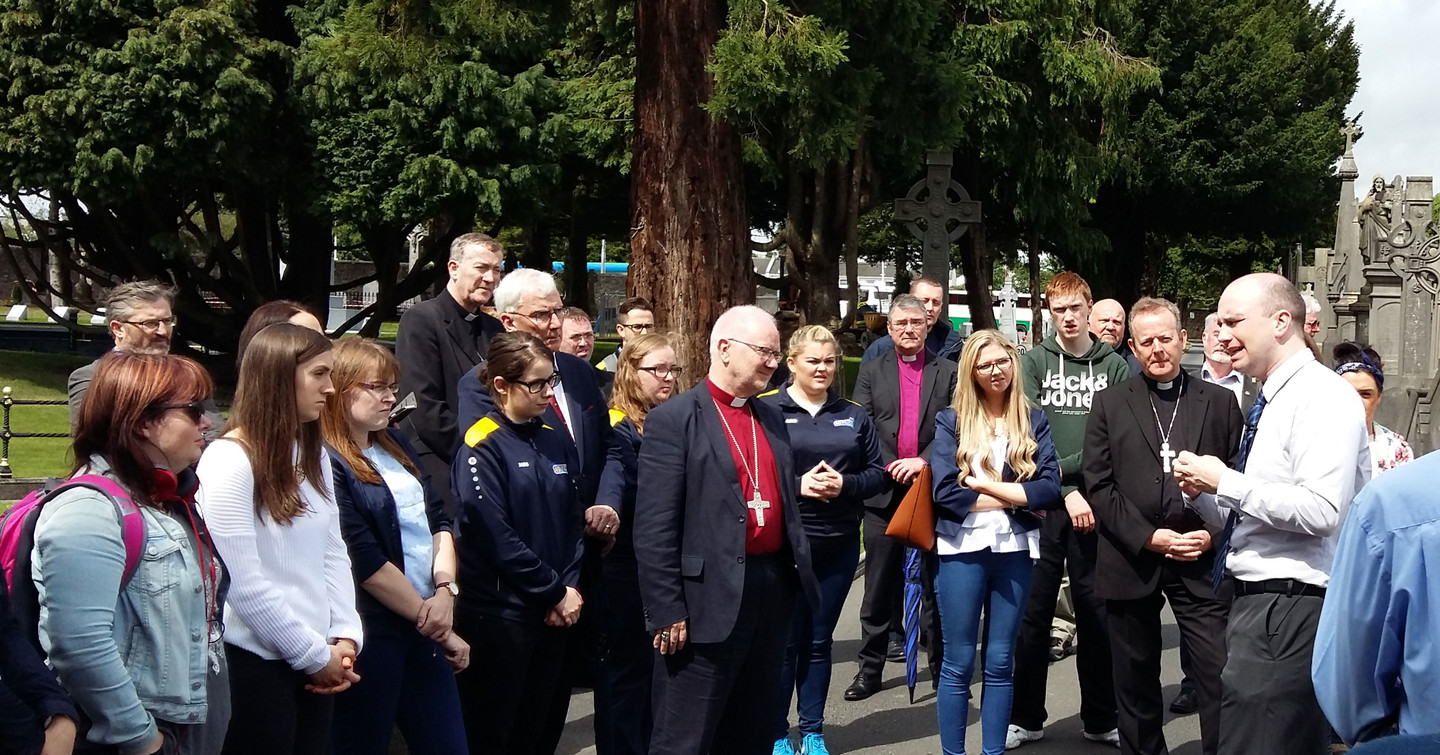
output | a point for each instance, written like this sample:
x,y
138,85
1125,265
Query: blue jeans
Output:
x,y
967,582
806,670
405,681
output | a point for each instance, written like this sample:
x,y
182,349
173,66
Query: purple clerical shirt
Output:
x,y
907,441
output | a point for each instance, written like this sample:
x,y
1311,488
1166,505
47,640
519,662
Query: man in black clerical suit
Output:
x,y
720,549
1153,546
441,339
901,389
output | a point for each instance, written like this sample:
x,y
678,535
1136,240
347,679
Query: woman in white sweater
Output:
x,y
291,628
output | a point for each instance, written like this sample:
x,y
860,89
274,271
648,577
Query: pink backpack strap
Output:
x,y
132,526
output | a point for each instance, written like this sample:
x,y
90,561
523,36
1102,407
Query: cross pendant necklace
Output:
x,y
756,504
1166,454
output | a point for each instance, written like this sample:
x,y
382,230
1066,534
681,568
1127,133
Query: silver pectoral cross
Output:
x,y
758,505
1166,455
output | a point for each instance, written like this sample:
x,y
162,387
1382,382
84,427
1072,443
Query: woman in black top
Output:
x,y
645,376
834,441
519,537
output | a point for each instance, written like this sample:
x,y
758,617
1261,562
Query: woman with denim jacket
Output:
x,y
993,466
402,554
142,660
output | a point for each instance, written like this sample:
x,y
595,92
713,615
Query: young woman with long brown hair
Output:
x,y
993,467
403,557
267,490
163,689
646,374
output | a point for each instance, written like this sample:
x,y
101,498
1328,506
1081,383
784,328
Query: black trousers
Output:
x,y
881,606
1135,652
721,697
1062,546
272,712
507,696
1267,697
629,657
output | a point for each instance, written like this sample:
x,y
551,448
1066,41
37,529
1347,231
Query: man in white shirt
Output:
x,y
1303,456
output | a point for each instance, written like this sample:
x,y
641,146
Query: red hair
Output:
x,y
1068,284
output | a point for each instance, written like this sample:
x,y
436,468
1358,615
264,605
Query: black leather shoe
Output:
x,y
895,652
1184,703
863,687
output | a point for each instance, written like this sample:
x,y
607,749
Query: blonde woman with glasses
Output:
x,y
994,473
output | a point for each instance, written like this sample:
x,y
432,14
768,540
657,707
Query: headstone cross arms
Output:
x,y
937,211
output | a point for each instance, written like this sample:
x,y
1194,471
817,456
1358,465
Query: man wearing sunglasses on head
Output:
x,y
142,321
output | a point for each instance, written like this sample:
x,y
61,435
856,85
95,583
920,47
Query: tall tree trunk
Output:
x,y
689,250
1037,312
852,232
577,255
537,255
978,272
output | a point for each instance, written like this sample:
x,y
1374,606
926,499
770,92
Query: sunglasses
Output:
x,y
194,410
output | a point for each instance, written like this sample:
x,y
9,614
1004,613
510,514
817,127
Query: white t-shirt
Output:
x,y
995,530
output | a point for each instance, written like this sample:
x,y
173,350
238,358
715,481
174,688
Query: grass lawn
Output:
x,y
41,377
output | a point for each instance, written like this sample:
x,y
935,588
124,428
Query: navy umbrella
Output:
x,y
912,617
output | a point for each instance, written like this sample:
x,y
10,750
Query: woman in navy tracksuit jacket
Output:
x,y
520,538
837,455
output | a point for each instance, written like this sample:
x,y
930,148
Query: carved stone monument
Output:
x,y
938,211
1008,297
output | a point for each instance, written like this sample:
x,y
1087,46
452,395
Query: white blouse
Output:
x,y
995,530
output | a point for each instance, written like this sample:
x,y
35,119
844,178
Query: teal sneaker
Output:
x,y
813,744
783,747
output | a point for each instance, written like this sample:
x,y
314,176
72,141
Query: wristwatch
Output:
x,y
451,586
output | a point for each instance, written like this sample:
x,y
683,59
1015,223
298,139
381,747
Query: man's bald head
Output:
x,y
1273,294
746,322
1107,322
1261,316
744,350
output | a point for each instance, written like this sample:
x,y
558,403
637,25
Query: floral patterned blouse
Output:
x,y
1388,450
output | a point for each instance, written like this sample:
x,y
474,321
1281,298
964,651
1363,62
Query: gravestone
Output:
x,y
938,211
17,313
1008,297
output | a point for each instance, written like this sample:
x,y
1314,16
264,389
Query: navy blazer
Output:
x,y
690,517
953,500
620,481
371,528
593,439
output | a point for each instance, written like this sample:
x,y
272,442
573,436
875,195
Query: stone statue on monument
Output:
x,y
1375,214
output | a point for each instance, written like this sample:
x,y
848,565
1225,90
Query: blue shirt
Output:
x,y
842,435
416,543
1377,648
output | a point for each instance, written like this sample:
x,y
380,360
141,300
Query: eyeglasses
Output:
x,y
582,337
380,389
195,410
642,327
662,371
151,326
1001,364
903,325
765,353
543,316
536,386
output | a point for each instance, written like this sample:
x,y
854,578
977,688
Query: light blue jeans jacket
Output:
x,y
126,658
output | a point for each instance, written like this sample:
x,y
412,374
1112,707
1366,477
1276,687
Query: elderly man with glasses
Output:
x,y
142,321
901,389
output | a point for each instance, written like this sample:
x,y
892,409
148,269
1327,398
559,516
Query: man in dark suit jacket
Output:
x,y
720,549
441,339
881,388
1153,546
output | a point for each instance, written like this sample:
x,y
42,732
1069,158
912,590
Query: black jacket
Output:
x,y
877,391
620,483
435,346
594,441
1123,478
842,435
520,529
690,517
371,528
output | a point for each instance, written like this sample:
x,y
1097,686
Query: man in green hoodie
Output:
x,y
1062,376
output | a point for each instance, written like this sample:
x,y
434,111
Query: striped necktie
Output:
x,y
1247,439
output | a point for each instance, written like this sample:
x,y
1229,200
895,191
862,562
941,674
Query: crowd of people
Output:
x,y
325,566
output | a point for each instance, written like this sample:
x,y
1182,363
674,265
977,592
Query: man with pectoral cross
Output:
x,y
720,548
1154,546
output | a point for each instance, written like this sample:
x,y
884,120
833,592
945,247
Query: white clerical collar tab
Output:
x,y
737,402
1165,386
910,358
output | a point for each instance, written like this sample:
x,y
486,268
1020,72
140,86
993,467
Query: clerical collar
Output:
x,y
908,359
1168,385
723,397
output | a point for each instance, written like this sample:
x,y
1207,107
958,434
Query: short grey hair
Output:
x,y
517,284
465,241
734,319
125,298
1211,320
1311,303
907,302
1155,304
